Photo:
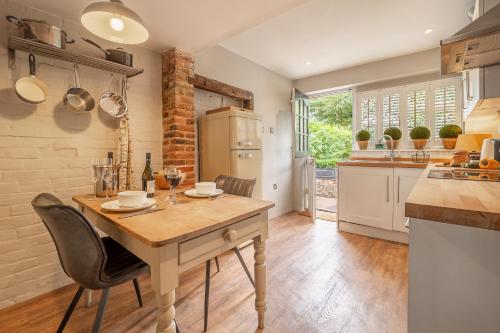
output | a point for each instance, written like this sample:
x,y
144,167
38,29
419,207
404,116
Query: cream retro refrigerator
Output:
x,y
230,143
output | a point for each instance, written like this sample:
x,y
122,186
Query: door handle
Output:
x,y
387,192
399,181
407,223
470,97
244,143
245,156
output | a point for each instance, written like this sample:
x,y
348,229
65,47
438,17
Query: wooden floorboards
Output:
x,y
319,280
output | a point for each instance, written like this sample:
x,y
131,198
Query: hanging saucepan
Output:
x,y
78,98
117,55
30,88
112,103
41,31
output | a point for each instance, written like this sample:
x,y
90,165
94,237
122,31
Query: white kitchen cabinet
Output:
x,y
404,180
365,196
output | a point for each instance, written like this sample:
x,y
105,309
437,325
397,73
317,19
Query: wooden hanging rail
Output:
x,y
17,43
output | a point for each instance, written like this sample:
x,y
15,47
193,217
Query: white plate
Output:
x,y
192,193
113,206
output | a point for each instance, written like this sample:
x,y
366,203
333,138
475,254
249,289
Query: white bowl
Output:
x,y
131,198
205,187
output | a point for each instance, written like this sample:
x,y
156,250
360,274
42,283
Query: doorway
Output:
x,y
330,141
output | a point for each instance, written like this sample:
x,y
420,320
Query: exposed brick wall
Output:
x,y
178,113
46,148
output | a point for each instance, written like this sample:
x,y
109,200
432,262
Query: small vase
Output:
x,y
394,142
449,143
419,143
363,145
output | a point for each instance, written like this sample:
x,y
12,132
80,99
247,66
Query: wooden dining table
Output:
x,y
184,235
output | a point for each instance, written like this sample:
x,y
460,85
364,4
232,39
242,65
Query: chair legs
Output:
x,y
100,311
217,264
70,309
207,294
137,291
238,254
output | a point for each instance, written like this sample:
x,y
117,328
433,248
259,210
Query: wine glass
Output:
x,y
94,177
173,177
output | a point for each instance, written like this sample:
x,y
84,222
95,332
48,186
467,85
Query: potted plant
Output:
x,y
395,133
449,134
419,136
362,138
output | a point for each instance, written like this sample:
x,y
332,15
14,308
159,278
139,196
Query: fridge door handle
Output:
x,y
245,156
244,143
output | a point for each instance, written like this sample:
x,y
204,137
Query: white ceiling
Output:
x,y
191,25
335,34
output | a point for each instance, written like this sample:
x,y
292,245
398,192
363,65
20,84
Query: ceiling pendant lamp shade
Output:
x,y
112,21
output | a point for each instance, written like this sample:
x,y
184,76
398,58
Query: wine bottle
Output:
x,y
148,180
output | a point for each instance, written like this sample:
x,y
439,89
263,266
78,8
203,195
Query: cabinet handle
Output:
x,y
387,192
399,180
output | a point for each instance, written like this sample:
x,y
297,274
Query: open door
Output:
x,y
304,165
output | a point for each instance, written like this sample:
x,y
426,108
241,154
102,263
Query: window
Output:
x,y
301,127
444,107
432,104
390,110
416,109
368,115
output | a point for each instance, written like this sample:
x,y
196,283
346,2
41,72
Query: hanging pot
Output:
x,y
78,98
112,103
41,31
117,55
30,88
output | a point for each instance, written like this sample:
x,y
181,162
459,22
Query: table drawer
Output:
x,y
201,248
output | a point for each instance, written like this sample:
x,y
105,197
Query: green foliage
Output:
x,y
329,143
362,135
333,109
420,132
393,132
450,131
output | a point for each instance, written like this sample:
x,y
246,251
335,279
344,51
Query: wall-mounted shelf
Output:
x,y
17,43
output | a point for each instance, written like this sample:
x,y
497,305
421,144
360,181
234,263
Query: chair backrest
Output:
x,y
81,251
236,186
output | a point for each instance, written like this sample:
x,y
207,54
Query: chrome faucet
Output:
x,y
385,136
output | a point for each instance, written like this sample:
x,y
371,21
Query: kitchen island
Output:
x,y
454,262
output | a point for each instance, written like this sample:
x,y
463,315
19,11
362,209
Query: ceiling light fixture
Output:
x,y
308,63
428,31
112,21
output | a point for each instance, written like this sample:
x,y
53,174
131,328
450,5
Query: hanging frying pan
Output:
x,y
30,88
78,98
112,103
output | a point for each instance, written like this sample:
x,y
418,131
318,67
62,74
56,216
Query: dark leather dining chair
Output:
x,y
92,262
243,188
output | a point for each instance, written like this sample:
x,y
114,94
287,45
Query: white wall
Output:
x,y
390,69
45,148
272,100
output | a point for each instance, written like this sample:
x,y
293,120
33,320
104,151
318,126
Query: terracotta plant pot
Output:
x,y
363,145
449,143
419,143
395,142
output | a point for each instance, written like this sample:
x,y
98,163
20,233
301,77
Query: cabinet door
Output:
x,y
404,180
365,196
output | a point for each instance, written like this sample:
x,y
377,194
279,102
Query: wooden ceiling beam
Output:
x,y
205,83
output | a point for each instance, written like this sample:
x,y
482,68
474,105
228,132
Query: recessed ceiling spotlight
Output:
x,y
308,63
428,31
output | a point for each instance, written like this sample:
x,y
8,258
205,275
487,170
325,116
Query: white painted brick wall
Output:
x,y
45,148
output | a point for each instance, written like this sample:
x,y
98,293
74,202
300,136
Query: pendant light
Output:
x,y
112,21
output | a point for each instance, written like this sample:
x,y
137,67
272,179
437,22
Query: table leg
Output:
x,y
260,279
88,298
165,312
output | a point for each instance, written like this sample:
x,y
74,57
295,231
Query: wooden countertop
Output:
x,y
188,219
462,202
383,164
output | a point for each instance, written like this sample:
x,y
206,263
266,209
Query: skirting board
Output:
x,y
390,235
